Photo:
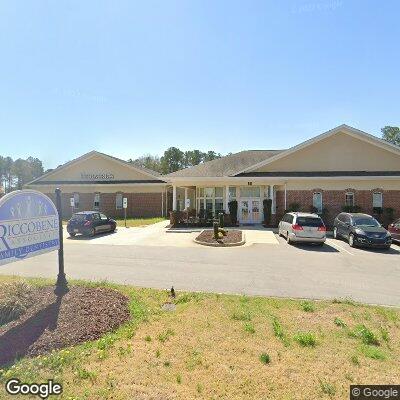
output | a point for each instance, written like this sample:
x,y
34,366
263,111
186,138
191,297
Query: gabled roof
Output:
x,y
364,136
225,166
152,174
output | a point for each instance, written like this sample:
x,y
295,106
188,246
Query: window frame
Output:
x,y
96,207
117,206
319,210
381,199
346,198
76,200
205,197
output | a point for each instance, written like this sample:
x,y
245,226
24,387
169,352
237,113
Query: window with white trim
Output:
x,y
210,199
377,200
250,191
76,200
96,201
232,192
118,201
349,199
317,201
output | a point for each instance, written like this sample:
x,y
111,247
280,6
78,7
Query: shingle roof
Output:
x,y
226,166
306,174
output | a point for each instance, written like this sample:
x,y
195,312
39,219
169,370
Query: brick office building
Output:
x,y
97,181
343,167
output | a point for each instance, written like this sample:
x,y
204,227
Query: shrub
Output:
x,y
267,206
338,322
221,219
294,207
365,334
351,209
233,207
265,358
216,232
305,339
15,299
307,306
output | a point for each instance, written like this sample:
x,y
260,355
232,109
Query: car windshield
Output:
x,y
365,221
309,221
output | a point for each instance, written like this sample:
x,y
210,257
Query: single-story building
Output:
x,y
97,181
341,167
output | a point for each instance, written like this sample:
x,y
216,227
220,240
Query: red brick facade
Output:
x,y
139,204
334,200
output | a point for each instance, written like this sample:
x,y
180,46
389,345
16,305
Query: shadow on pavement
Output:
x,y
98,235
325,248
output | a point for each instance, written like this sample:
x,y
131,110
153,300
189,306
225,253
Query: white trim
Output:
x,y
341,128
88,156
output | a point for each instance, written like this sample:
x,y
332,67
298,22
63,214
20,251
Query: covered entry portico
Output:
x,y
213,198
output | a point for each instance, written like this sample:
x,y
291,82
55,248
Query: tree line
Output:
x,y
174,159
14,174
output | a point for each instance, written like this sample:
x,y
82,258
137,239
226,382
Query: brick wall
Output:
x,y
333,201
139,204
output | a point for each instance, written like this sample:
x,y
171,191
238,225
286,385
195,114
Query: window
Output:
x,y
95,217
76,200
317,201
349,199
249,191
118,201
96,201
232,192
210,199
377,200
103,217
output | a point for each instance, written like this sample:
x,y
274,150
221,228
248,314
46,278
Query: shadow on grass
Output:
x,y
15,343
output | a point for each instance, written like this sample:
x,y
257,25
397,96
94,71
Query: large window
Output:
x,y
317,201
210,199
349,199
232,192
76,200
96,201
118,201
377,200
249,191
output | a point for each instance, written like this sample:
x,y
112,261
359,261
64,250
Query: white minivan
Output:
x,y
299,227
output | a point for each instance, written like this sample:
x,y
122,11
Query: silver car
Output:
x,y
299,227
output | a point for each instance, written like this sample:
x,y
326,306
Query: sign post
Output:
x,y
61,284
125,206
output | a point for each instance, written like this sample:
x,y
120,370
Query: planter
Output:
x,y
233,238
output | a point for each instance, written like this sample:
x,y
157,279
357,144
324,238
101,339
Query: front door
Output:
x,y
249,211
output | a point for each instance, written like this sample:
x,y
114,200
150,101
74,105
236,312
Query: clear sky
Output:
x,y
129,78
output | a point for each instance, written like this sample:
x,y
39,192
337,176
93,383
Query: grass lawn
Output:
x,y
226,347
134,222
137,222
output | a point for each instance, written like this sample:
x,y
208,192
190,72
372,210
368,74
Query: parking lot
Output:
x,y
267,265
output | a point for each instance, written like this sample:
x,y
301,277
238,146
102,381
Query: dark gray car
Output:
x,y
361,230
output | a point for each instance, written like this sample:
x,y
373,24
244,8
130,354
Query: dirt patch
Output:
x,y
55,322
232,237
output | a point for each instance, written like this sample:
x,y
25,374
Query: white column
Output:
x,y
226,207
273,198
186,195
173,198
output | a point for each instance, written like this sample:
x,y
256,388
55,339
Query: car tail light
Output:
x,y
297,227
322,228
87,223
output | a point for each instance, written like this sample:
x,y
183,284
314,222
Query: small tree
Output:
x,y
233,207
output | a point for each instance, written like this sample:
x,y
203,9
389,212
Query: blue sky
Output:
x,y
129,78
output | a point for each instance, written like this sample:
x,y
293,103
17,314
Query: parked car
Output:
x,y
361,230
89,223
302,227
394,230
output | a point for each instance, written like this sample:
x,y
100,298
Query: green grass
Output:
x,y
222,346
305,339
137,222
307,306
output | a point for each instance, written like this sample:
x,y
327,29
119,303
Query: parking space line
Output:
x,y
338,247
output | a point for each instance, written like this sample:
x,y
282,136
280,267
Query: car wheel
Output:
x,y
335,234
351,240
72,234
92,232
387,247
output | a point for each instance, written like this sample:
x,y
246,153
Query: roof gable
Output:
x,y
97,167
342,130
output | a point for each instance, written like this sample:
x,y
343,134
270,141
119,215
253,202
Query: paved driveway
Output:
x,y
332,271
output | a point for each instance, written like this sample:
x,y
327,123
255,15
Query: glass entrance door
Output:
x,y
249,211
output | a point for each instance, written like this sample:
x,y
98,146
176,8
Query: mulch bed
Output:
x,y
233,236
82,314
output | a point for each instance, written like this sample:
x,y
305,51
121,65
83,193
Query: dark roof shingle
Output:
x,y
226,166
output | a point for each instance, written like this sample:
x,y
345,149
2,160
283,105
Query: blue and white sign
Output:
x,y
28,225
